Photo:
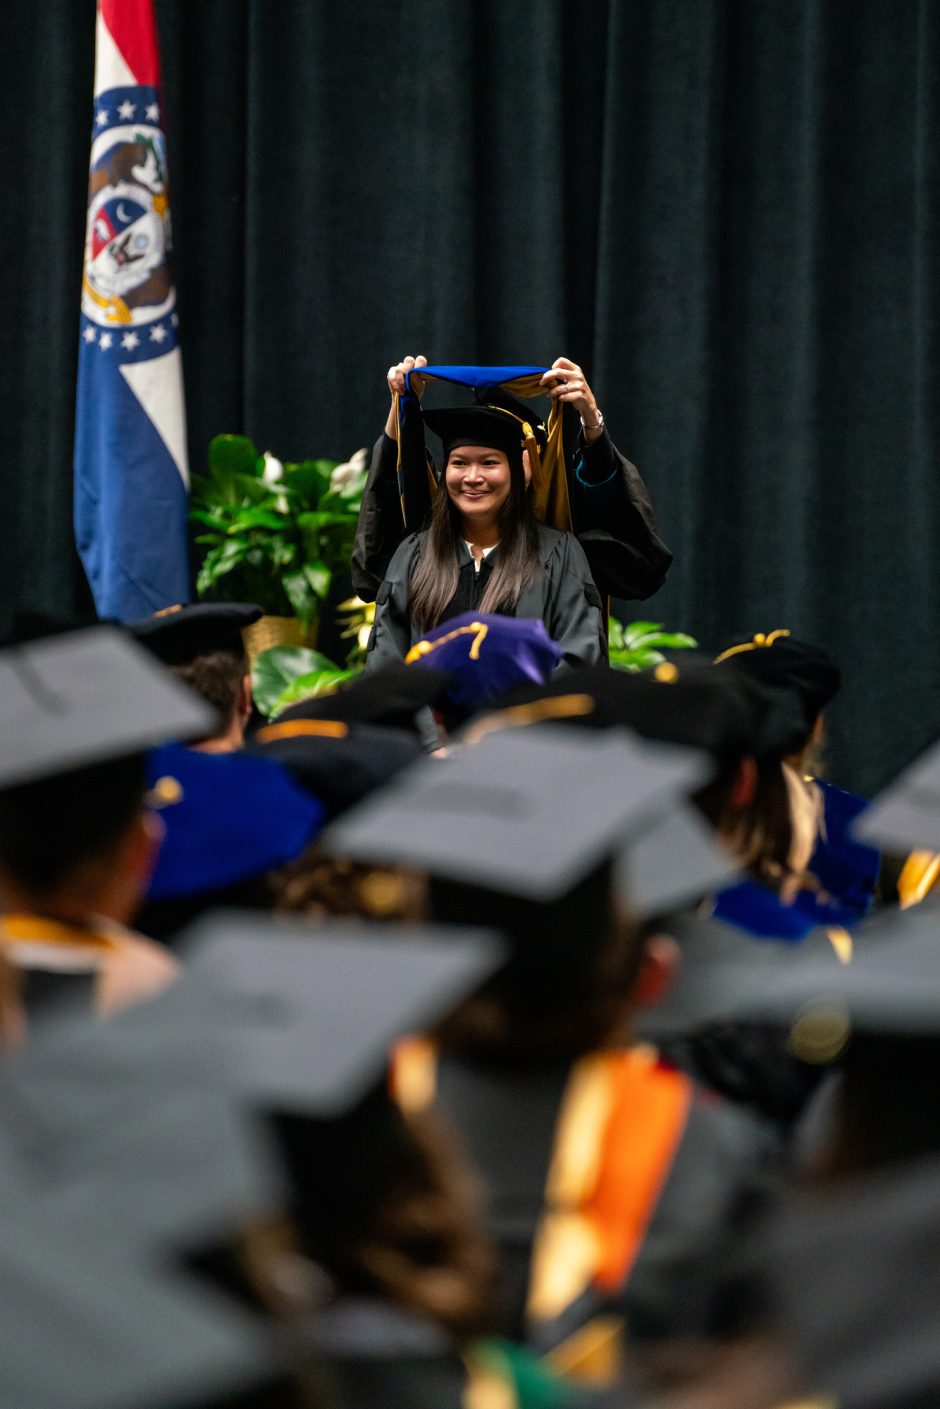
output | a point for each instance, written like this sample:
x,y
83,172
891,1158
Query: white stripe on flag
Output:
x,y
111,70
158,386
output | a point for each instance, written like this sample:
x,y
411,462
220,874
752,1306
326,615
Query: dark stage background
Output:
x,y
727,212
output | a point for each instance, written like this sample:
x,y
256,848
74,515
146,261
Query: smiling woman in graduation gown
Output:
x,y
485,551
609,507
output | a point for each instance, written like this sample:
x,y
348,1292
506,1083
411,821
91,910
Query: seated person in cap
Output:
x,y
77,841
75,854
202,643
845,877
615,1187
484,550
611,511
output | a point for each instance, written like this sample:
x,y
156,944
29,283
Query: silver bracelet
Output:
x,y
598,425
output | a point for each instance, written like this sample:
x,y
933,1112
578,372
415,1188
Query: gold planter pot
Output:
x,y
278,631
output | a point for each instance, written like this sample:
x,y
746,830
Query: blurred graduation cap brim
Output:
x,y
529,813
86,697
906,814
313,1012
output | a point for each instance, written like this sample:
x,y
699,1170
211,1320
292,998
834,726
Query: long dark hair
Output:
x,y
434,581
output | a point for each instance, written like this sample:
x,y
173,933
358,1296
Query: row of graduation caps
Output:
x,y
282,1016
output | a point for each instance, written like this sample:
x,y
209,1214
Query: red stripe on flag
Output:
x,y
134,30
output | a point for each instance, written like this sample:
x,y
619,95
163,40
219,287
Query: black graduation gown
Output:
x,y
562,594
610,507
685,1279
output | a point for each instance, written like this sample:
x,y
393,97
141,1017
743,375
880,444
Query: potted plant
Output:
x,y
275,533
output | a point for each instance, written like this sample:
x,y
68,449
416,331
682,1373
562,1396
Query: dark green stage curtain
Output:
x,y
726,211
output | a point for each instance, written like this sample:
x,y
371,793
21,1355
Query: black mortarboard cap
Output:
x,y
675,862
529,813
725,975
312,1012
907,813
177,635
391,695
685,702
853,1273
777,659
84,698
340,764
525,412
889,988
477,425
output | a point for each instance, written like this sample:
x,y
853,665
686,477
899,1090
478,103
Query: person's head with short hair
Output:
x,y
203,645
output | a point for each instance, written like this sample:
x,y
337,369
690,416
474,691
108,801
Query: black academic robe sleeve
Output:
x,y
382,523
573,613
613,521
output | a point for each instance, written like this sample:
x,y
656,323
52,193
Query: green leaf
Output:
x,y
614,634
672,641
309,480
258,518
276,669
252,490
317,519
639,658
212,519
204,491
319,577
635,632
302,597
308,687
232,455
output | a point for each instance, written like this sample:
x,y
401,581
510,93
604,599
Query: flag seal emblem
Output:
x,y
127,278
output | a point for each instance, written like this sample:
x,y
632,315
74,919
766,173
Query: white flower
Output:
x,y
349,471
273,472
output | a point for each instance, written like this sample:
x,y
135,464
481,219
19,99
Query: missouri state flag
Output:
x,y
131,472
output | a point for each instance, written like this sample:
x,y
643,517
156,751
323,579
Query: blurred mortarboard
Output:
x,y
907,813
177,635
890,987
90,1324
130,1126
687,702
724,976
72,700
227,817
675,862
853,1273
777,659
338,763
392,695
528,813
486,656
313,1012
